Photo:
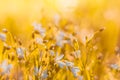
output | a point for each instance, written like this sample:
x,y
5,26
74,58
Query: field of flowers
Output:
x,y
59,40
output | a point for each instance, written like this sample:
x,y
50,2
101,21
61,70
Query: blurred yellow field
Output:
x,y
59,39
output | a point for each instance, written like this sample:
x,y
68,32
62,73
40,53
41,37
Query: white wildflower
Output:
x,y
39,40
75,71
51,52
20,52
59,43
114,66
65,41
2,37
69,64
37,70
59,57
80,78
61,64
38,27
6,68
77,53
61,35
59,38
44,74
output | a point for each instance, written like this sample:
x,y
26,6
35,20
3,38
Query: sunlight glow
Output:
x,y
67,5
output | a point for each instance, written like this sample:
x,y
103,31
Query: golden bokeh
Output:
x,y
92,28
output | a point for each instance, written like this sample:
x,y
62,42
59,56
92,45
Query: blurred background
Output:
x,y
86,15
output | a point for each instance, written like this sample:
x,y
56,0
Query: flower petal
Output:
x,y
59,57
61,64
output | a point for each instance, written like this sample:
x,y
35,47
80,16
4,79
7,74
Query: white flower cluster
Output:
x,y
115,66
39,28
5,67
59,39
2,37
51,52
39,41
44,74
20,52
77,54
67,64
58,59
